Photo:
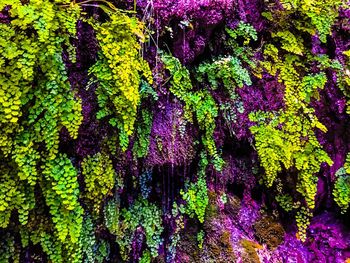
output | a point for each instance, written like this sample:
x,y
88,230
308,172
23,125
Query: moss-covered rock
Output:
x,y
249,255
269,231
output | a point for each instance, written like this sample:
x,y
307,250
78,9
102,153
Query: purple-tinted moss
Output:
x,y
169,144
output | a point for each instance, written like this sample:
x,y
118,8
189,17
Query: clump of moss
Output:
x,y
159,259
226,244
233,206
220,249
250,255
212,208
188,245
269,231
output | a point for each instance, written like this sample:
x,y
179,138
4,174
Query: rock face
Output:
x,y
248,226
240,232
240,145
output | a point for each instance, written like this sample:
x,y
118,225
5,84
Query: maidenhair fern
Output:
x,y
341,191
118,82
60,206
196,194
143,132
229,70
99,177
286,138
61,194
198,103
37,101
123,223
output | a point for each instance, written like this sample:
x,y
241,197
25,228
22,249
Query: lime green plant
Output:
x,y
197,103
37,102
231,71
145,214
344,79
196,194
228,70
93,250
200,238
112,217
286,138
143,132
286,202
99,178
14,196
341,191
119,71
124,222
303,221
88,240
243,30
144,125
61,194
313,16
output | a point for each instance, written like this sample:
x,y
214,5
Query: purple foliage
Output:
x,y
188,29
168,145
191,24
